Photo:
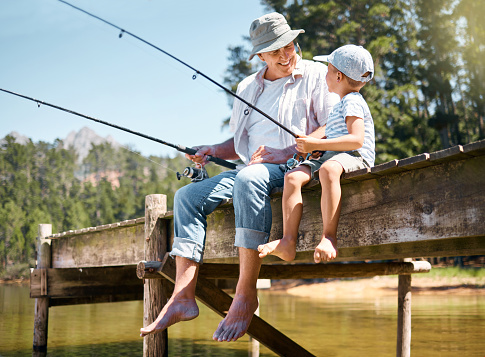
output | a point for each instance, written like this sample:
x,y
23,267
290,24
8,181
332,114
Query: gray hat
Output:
x,y
271,32
353,61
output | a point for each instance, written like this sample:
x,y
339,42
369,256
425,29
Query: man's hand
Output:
x,y
200,157
269,155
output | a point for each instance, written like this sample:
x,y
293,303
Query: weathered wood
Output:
x,y
115,245
418,209
150,270
403,348
219,302
86,282
135,296
156,246
41,315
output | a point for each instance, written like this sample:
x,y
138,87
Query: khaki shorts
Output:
x,y
350,161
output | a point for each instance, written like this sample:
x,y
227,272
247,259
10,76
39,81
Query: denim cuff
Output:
x,y
187,248
250,238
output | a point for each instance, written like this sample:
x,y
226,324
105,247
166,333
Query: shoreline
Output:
x,y
383,286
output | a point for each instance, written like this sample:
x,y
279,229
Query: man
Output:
x,y
290,90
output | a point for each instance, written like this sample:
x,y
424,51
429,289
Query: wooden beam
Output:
x,y
403,348
134,296
155,297
85,283
41,320
151,270
219,302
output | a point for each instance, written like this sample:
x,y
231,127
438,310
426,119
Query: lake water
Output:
x,y
442,325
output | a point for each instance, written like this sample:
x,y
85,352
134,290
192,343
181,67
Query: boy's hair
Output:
x,y
356,84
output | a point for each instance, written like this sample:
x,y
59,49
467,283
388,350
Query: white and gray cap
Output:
x,y
353,61
271,32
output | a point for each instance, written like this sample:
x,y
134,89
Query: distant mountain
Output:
x,y
19,139
82,140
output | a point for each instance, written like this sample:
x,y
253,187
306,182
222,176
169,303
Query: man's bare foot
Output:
x,y
326,250
176,310
283,248
237,320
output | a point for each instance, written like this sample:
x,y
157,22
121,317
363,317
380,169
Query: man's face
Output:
x,y
281,62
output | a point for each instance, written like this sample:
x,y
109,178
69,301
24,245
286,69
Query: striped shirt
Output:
x,y
353,105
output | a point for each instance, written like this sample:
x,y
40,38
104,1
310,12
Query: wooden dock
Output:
x,y
430,205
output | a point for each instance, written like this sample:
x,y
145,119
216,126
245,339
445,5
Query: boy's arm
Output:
x,y
351,141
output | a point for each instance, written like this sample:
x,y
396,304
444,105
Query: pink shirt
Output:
x,y
303,107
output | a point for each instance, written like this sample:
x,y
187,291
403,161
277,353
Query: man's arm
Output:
x,y
223,150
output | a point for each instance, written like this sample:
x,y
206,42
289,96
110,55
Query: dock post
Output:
x,y
155,296
41,317
403,348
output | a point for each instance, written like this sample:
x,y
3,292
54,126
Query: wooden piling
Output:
x,y
155,296
41,318
403,348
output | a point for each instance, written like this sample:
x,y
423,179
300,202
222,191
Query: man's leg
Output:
x,y
252,210
245,302
181,306
192,204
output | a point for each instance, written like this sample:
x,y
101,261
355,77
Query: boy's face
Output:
x,y
281,62
333,77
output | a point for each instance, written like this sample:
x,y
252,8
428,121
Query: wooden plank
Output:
x,y
150,270
86,282
219,302
415,162
454,153
430,204
475,149
122,245
387,168
135,296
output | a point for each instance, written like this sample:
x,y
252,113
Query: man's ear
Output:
x,y
260,57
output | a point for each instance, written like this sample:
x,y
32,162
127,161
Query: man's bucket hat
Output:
x,y
271,32
353,61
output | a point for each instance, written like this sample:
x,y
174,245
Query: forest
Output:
x,y
427,94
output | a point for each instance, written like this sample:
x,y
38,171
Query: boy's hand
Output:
x,y
307,143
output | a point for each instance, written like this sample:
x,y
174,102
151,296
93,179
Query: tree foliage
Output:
x,y
428,91
42,183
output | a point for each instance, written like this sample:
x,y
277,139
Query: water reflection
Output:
x,y
443,326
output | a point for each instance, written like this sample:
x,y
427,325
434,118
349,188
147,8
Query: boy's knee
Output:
x,y
330,170
296,178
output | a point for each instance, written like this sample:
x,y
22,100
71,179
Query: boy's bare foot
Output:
x,y
283,248
326,250
176,310
237,320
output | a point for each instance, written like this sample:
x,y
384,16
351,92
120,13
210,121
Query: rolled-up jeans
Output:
x,y
249,188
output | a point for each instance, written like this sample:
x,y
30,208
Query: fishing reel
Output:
x,y
295,161
195,174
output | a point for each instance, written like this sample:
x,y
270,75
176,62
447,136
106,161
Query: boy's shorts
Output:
x,y
350,161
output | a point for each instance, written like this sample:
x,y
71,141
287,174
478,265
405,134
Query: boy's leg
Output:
x,y
329,174
292,204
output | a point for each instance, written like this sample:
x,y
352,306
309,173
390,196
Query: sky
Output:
x,y
56,54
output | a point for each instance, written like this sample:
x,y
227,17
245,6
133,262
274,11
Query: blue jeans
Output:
x,y
249,188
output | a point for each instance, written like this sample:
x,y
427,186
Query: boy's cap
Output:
x,y
271,32
353,61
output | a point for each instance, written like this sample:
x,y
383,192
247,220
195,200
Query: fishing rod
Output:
x,y
180,148
123,31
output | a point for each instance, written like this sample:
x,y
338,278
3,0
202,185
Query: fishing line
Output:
x,y
196,72
181,148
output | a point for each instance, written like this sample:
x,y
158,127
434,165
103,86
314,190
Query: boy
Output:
x,y
349,146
